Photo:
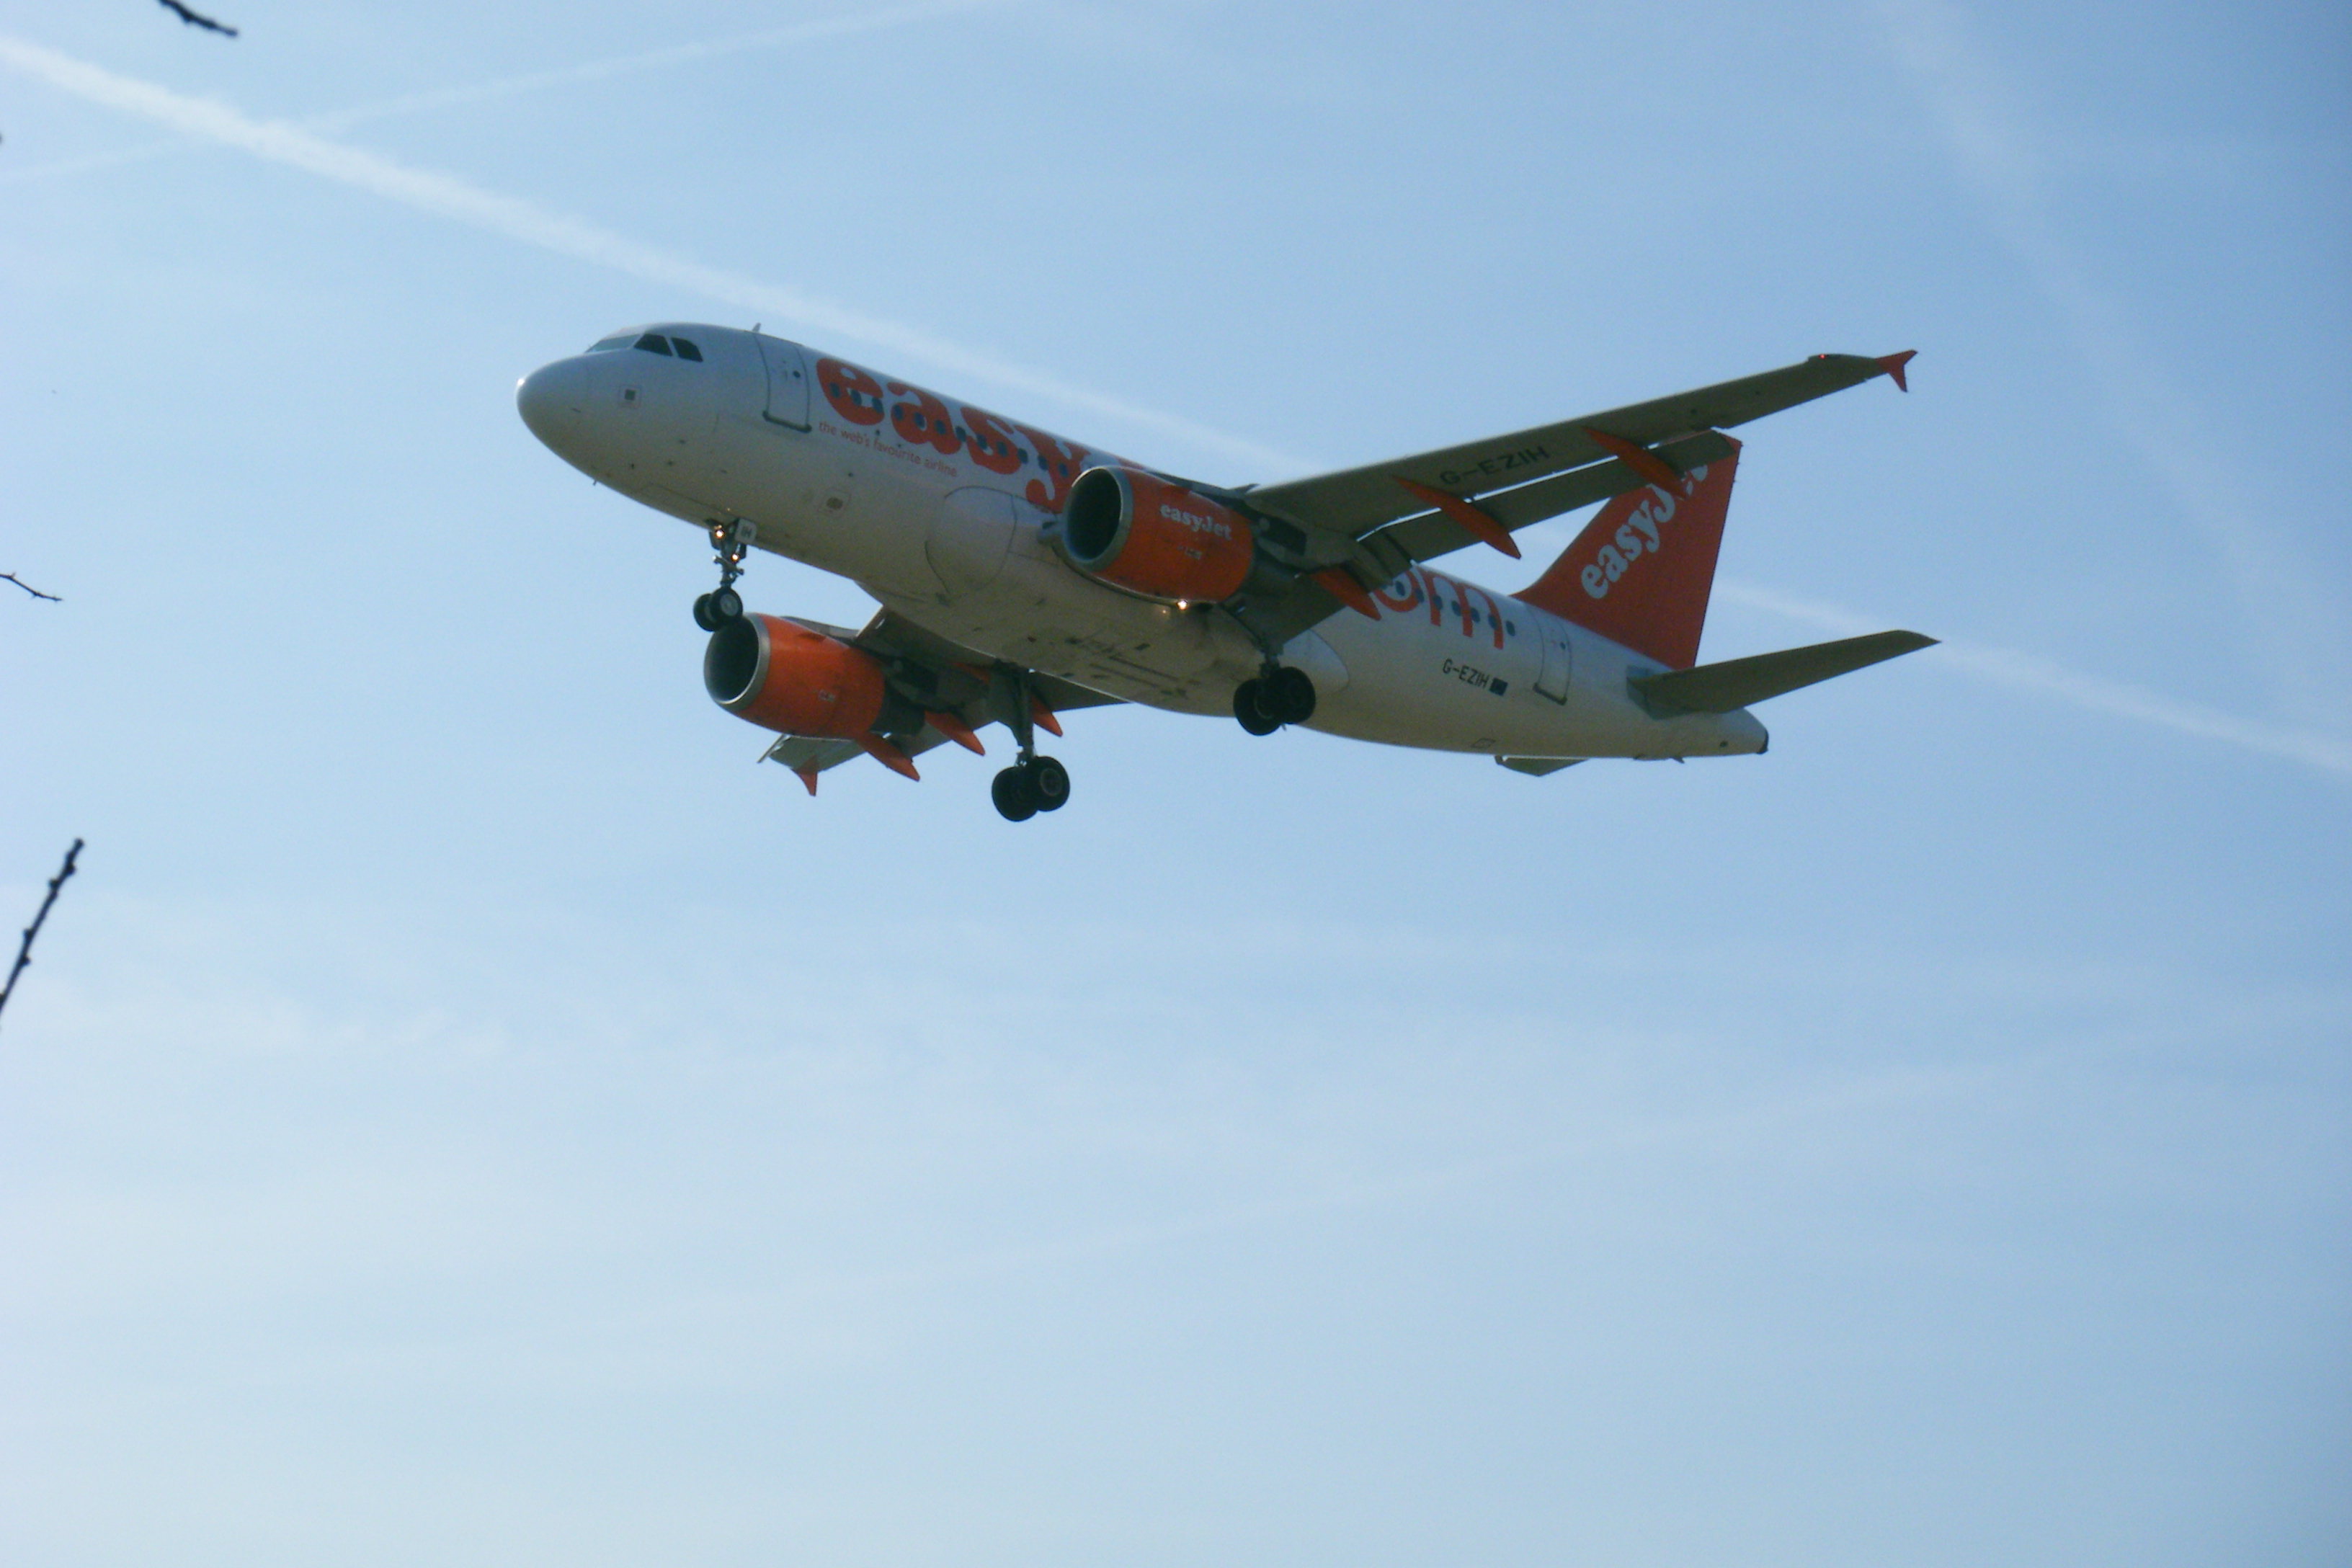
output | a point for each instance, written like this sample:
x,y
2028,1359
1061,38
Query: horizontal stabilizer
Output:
x,y
1739,682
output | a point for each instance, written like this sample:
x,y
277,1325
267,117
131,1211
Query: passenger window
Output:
x,y
686,350
653,344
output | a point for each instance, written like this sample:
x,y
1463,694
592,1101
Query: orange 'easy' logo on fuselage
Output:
x,y
923,419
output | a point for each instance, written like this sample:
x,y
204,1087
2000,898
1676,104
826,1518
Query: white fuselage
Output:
x,y
938,509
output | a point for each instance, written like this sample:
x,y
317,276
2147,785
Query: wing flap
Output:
x,y
809,755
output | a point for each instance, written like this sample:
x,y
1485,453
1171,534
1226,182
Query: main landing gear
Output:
x,y
1280,695
1030,786
731,541
1033,784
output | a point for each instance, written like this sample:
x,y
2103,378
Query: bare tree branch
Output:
x,y
194,18
24,953
12,577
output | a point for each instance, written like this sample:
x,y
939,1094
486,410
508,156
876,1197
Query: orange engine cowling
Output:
x,y
782,676
1141,533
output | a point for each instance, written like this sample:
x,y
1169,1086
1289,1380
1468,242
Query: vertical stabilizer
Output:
x,y
1641,571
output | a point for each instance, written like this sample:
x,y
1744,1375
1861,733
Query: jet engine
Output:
x,y
782,676
1137,531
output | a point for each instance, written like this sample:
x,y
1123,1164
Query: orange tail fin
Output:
x,y
1641,571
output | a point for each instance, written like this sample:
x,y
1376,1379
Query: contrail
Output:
x,y
532,82
446,195
655,59
2290,614
2034,673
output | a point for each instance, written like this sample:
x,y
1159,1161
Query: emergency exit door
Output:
x,y
1553,681
788,383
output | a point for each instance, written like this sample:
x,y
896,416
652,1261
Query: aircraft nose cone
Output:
x,y
551,399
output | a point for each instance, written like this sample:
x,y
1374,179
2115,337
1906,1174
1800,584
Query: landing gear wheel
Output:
x,y
1014,791
731,541
1254,718
1049,783
1291,694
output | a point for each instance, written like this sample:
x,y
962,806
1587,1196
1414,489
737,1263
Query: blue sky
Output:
x,y
465,1109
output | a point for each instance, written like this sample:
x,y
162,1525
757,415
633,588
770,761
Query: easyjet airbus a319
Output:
x,y
1022,575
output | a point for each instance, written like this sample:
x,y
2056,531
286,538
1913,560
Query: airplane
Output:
x,y
1021,576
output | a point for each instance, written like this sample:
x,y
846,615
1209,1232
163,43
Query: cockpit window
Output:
x,y
652,342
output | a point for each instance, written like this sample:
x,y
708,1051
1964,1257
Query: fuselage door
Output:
x,y
1553,681
788,382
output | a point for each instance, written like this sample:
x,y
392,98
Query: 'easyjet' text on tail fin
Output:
x,y
1641,571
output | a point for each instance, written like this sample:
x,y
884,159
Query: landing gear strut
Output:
x,y
731,541
1033,784
1280,695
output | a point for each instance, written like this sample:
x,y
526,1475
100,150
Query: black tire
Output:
x,y
1291,694
702,616
727,604
1254,719
1015,795
1049,783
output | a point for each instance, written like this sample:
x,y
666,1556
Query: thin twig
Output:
x,y
24,953
194,18
12,577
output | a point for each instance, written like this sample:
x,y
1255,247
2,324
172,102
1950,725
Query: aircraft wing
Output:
x,y
1357,502
809,755
1375,521
945,679
893,637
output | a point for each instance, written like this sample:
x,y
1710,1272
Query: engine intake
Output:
x,y
1137,531
782,675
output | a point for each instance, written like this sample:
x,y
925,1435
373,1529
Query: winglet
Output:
x,y
1653,469
1892,365
956,729
1476,523
889,755
1341,585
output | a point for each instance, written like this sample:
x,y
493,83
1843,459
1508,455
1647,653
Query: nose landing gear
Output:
x,y
1033,783
731,541
1280,695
